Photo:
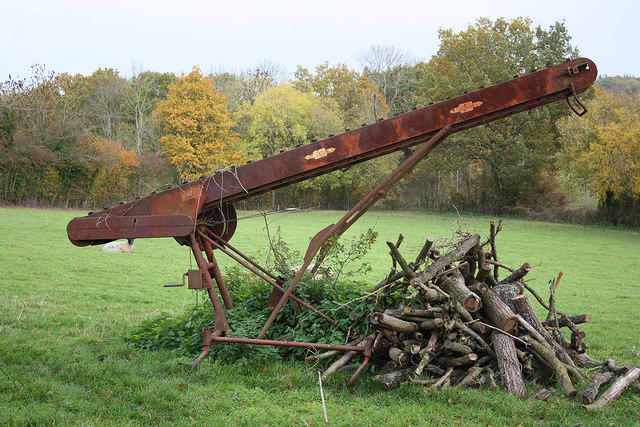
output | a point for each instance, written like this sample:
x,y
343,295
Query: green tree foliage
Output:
x,y
358,98
603,150
198,135
504,163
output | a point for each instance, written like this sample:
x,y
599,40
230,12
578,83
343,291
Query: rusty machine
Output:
x,y
200,213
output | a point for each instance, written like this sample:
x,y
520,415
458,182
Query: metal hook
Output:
x,y
575,96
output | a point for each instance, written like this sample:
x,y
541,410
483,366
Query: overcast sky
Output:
x,y
79,36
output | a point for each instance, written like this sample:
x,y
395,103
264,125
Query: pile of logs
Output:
x,y
462,324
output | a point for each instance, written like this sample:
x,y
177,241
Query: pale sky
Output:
x,y
79,36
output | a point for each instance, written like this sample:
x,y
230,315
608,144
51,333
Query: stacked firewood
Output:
x,y
464,325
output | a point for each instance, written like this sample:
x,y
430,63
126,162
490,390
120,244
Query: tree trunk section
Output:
x,y
591,391
510,368
616,389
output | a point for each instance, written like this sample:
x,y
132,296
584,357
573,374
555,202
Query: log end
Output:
x,y
472,303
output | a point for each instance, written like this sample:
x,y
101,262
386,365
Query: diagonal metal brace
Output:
x,y
354,214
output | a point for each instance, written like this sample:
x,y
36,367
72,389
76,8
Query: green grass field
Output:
x,y
64,312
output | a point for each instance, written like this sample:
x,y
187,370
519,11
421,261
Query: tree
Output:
x,y
357,97
282,118
512,157
393,71
141,94
198,135
602,149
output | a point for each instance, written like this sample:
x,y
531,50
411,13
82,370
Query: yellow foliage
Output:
x,y
603,147
198,135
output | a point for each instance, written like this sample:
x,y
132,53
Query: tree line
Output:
x,y
91,141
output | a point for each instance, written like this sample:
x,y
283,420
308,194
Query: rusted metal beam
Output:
x,y
214,194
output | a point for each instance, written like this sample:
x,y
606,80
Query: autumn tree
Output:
x,y
198,137
282,118
358,98
602,149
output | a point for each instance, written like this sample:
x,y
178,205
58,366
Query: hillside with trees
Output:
x,y
93,141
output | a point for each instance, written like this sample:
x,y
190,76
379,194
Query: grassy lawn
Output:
x,y
64,311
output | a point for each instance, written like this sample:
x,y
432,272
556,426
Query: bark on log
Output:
x,y
498,312
422,256
517,275
544,395
616,389
554,364
429,353
392,379
591,391
456,347
456,288
507,291
397,256
455,255
581,318
471,376
394,323
524,308
510,368
582,360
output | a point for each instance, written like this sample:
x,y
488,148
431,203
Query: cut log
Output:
x,y
399,356
392,379
395,254
456,347
456,288
477,338
471,376
591,391
431,324
422,256
498,312
523,307
429,353
517,275
465,359
455,255
393,323
552,362
616,389
341,361
510,368
581,318
583,360
484,270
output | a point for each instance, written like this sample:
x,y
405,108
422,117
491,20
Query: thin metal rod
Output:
x,y
317,346
266,279
217,274
355,213
220,319
245,257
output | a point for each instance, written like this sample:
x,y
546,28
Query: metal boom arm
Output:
x,y
175,212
